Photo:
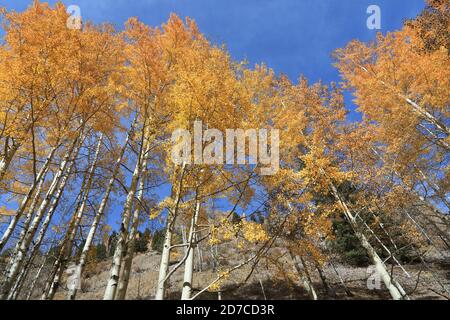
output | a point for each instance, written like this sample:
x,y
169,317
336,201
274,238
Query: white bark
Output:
x,y
419,227
55,192
426,115
184,237
189,264
45,224
130,245
395,289
100,212
5,161
35,279
304,276
111,287
19,282
67,246
28,219
435,138
63,245
165,260
22,277
26,200
165,256
199,254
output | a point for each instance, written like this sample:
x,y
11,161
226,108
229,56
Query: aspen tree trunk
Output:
x,y
15,291
395,289
199,254
184,237
22,277
391,255
26,200
6,160
117,261
439,141
28,219
425,114
418,227
262,288
130,246
67,247
17,288
165,256
55,202
62,244
304,277
326,286
189,263
347,291
35,279
442,234
55,191
429,205
313,292
45,224
213,258
101,211
165,260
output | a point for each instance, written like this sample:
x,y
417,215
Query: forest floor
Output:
x,y
267,283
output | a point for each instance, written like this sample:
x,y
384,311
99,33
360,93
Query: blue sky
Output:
x,y
293,37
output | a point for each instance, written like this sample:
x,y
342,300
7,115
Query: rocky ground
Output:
x,y
264,285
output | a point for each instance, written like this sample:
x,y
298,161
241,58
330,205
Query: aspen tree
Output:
x,y
37,184
37,43
395,289
60,86
111,288
304,275
189,264
129,248
49,203
35,279
101,210
170,224
402,91
67,244
318,168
